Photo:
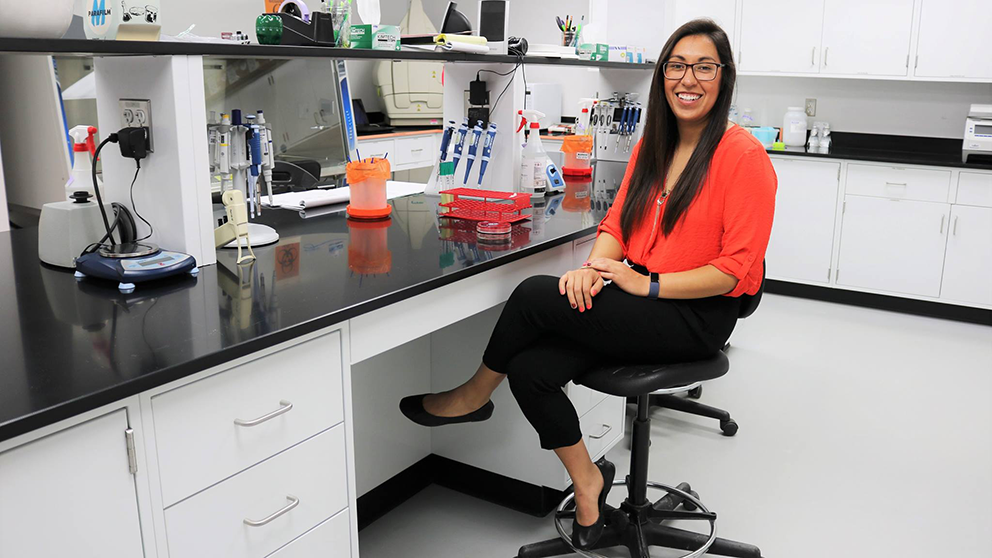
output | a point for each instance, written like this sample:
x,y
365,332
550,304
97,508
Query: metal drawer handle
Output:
x,y
903,184
942,219
954,231
286,407
812,58
293,502
605,432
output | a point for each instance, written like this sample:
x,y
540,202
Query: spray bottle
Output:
x,y
534,159
83,147
585,111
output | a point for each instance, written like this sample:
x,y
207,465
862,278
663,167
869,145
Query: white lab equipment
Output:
x,y
794,127
977,132
66,228
39,19
236,229
411,91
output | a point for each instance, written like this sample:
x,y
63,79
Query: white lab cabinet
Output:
x,y
954,39
894,245
968,263
780,36
71,493
866,38
723,12
802,237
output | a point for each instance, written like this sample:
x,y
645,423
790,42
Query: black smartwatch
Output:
x,y
655,287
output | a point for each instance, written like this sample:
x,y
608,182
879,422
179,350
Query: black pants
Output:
x,y
541,343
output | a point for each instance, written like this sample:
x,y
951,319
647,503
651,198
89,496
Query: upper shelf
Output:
x,y
88,49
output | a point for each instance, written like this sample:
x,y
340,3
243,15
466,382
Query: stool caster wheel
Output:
x,y
729,427
695,393
689,506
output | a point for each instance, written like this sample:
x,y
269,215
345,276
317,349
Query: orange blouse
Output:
x,y
726,226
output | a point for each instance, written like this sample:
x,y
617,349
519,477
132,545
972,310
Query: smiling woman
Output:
x,y
711,189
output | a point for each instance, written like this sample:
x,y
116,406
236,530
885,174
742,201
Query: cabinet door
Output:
x,y
805,211
71,494
893,245
723,12
866,38
954,39
781,36
968,264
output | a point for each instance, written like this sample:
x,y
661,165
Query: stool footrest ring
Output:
x,y
703,514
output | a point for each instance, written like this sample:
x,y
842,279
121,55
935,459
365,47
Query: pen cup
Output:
x,y
567,38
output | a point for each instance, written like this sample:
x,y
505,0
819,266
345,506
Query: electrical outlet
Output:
x,y
810,107
137,113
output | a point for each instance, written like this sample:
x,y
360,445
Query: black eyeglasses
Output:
x,y
703,71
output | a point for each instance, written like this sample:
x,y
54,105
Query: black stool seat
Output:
x,y
640,379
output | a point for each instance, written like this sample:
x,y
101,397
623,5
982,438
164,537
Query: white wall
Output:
x,y
868,106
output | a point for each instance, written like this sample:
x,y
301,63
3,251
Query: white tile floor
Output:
x,y
862,433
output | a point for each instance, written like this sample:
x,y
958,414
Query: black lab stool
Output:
x,y
640,523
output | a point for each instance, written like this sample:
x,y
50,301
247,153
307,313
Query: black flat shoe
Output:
x,y
412,408
584,538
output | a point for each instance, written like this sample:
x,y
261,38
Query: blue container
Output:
x,y
766,135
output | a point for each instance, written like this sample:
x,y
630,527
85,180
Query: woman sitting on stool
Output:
x,y
693,216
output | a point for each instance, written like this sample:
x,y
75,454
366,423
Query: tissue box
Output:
x,y
595,51
385,37
618,53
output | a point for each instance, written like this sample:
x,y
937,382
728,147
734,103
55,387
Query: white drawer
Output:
x,y
603,425
975,189
414,149
378,149
197,440
584,399
898,182
331,539
212,523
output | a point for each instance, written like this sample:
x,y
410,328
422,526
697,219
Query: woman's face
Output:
x,y
692,98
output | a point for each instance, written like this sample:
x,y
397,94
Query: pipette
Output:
x,y
487,150
446,139
473,149
633,126
621,129
255,151
460,144
268,154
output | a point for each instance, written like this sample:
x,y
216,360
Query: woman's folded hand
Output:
x,y
627,279
580,285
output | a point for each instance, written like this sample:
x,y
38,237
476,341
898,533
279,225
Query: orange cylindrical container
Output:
x,y
367,181
578,155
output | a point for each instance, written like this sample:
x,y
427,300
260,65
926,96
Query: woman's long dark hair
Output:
x,y
661,136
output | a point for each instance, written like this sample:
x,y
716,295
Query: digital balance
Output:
x,y
133,262
977,133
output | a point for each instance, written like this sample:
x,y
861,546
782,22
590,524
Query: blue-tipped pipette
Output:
x,y
255,158
473,149
460,144
487,150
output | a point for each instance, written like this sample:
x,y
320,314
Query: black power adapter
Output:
x,y
133,143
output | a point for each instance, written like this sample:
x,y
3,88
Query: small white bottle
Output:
x,y
82,168
794,127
